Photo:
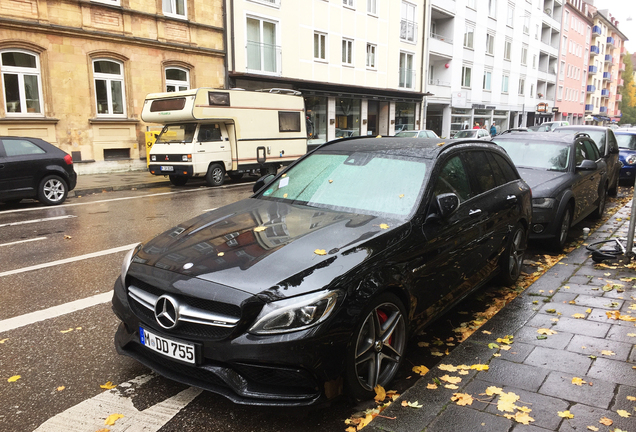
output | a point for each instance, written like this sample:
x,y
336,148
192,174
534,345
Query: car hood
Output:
x,y
255,244
542,182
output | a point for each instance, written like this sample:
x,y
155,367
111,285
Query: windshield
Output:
x,y
528,154
626,141
406,134
353,183
466,134
178,133
597,135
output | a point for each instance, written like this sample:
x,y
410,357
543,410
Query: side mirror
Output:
x,y
447,204
614,150
587,165
262,182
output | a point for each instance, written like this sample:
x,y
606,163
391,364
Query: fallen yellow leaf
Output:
x,y
384,226
380,393
450,379
422,370
578,381
507,401
14,378
431,386
623,413
588,310
462,399
631,398
566,414
520,417
608,353
320,252
545,331
3,340
111,419
447,367
486,332
109,385
60,388
66,331
492,390
259,229
593,428
605,421
451,386
220,254
479,367
578,315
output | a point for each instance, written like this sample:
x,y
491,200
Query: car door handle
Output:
x,y
474,212
512,199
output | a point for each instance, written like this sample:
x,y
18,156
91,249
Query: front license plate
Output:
x,y
166,168
168,347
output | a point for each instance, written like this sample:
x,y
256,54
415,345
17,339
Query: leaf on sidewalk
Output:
x,y
462,399
14,378
605,421
380,393
578,381
623,413
450,379
608,353
479,367
422,370
415,404
565,414
111,419
578,316
545,331
109,385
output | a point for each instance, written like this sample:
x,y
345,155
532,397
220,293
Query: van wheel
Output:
x,y
215,175
235,176
178,180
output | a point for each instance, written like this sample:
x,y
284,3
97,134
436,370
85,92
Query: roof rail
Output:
x,y
281,91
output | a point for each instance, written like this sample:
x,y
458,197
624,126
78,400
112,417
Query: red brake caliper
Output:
x,y
383,317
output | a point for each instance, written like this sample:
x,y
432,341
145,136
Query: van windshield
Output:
x,y
177,133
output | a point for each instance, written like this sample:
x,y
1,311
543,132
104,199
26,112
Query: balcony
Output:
x,y
604,93
610,41
594,50
620,82
603,110
621,66
608,58
263,58
441,45
592,69
408,30
596,31
589,108
607,76
591,88
407,78
619,98
623,50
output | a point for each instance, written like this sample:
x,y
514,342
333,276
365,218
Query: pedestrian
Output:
x,y
493,129
476,126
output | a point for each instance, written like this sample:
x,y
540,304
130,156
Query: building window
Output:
x,y
492,8
511,15
347,51
347,117
406,70
320,46
109,87
505,79
522,85
177,79
490,43
21,82
371,56
471,4
534,61
524,55
560,95
526,23
408,24
349,3
532,90
466,73
507,49
372,7
562,71
316,119
262,51
469,34
567,18
174,8
487,80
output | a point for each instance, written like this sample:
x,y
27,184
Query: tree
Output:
x,y
628,105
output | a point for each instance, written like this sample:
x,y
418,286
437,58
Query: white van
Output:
x,y
209,132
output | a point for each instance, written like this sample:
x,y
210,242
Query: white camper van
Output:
x,y
209,132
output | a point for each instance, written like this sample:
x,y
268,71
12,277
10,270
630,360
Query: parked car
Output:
x,y
34,168
548,126
472,133
424,133
627,154
567,177
608,147
316,281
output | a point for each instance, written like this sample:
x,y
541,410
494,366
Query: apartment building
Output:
x,y
491,61
76,72
574,67
606,55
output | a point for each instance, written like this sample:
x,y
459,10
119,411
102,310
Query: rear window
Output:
x,y
18,147
288,121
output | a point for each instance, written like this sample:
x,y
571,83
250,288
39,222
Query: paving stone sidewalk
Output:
x,y
540,368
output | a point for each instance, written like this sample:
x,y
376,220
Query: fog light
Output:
x,y
538,228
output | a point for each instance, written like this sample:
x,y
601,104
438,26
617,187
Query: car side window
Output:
x,y
18,147
507,169
498,175
477,163
602,144
209,133
583,152
591,150
453,178
613,144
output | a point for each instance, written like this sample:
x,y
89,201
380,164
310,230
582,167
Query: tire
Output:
x,y
598,213
235,176
613,191
52,190
558,243
215,175
512,258
268,169
379,338
178,180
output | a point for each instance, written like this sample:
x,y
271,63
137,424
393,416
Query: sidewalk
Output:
x,y
573,322
97,183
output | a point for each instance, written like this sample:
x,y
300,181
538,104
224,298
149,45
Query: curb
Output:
x,y
89,190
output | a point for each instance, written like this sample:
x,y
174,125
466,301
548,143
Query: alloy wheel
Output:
x,y
54,189
517,251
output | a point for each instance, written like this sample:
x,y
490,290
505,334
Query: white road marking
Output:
x,y
201,189
89,415
37,220
69,260
23,241
54,312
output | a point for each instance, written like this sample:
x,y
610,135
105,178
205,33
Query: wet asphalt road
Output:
x,y
75,350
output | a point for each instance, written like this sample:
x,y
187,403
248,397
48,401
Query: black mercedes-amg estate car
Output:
x,y
313,284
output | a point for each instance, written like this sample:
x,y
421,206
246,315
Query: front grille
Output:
x,y
276,377
164,158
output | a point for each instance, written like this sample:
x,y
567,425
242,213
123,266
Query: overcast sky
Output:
x,y
625,12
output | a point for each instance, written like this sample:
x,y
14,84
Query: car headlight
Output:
x,y
631,160
153,158
127,260
543,202
294,314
